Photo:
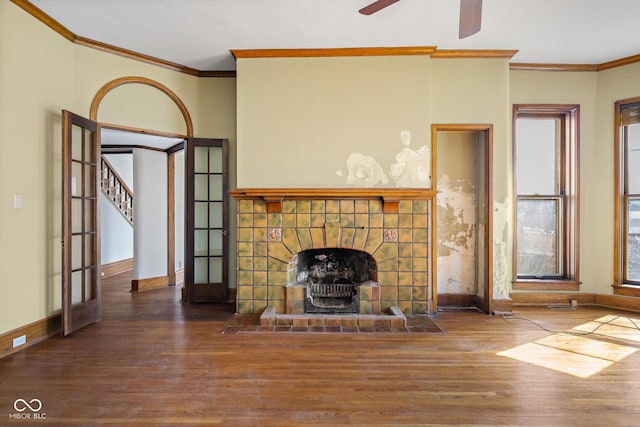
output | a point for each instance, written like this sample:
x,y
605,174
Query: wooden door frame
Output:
x,y
487,131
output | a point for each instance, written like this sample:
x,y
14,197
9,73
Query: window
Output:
x,y
545,154
627,207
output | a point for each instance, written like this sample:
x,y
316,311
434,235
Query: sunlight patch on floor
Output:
x,y
580,356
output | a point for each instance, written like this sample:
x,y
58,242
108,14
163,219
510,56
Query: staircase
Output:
x,y
116,190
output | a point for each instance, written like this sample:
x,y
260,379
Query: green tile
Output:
x,y
288,206
260,278
289,220
260,220
245,306
245,220
279,251
245,263
245,206
405,206
277,278
304,237
303,206
317,220
245,249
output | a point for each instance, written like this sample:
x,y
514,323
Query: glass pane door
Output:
x,y
206,218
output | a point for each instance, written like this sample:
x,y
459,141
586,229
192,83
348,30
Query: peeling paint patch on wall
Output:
x,y
456,203
500,270
364,171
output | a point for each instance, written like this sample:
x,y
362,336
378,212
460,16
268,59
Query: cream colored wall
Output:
x,y
476,91
42,73
596,164
299,119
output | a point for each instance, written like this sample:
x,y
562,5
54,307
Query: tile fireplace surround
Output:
x,y
392,225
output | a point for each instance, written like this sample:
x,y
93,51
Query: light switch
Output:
x,y
17,201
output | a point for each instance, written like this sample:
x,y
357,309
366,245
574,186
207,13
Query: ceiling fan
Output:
x,y
470,14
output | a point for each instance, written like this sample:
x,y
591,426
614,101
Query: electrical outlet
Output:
x,y
19,341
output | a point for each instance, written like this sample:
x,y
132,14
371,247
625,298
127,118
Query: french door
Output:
x,y
206,220
80,222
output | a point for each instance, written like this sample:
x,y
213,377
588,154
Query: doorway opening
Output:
x,y
463,249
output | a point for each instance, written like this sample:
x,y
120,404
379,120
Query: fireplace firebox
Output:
x,y
332,278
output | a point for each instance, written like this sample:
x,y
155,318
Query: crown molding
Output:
x,y
619,62
37,13
523,66
473,53
333,52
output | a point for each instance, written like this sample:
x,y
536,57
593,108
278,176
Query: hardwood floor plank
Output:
x,y
153,361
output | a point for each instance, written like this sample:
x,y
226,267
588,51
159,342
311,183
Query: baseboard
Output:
x,y
551,298
502,306
179,276
458,300
139,285
117,267
34,332
618,302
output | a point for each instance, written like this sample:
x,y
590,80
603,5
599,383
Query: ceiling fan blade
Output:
x,y
470,17
376,6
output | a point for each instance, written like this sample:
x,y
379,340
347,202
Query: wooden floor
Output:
x,y
153,361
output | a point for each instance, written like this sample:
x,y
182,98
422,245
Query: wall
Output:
x,y
42,73
596,155
300,119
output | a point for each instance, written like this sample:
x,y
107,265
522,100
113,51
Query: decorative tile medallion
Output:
x,y
275,235
390,235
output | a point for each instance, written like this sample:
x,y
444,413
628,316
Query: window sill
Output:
x,y
545,285
626,290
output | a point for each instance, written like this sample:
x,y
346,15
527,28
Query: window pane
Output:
x,y
633,240
200,160
536,156
633,159
537,238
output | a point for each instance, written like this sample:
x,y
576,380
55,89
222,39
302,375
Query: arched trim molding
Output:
x,y
97,99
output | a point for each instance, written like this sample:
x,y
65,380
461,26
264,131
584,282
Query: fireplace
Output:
x,y
324,251
332,278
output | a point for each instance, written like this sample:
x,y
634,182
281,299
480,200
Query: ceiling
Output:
x,y
125,139
200,33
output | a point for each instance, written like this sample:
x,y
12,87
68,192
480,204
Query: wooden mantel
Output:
x,y
390,197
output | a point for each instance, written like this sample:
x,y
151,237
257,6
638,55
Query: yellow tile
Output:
x,y
420,278
303,206
419,235
303,220
304,237
374,240
419,307
376,220
404,250
361,206
332,206
278,278
260,235
288,206
279,251
274,220
260,220
375,206
419,264
332,218
420,220
260,249
318,206
405,306
346,239
245,206
289,220
274,264
245,234
386,251
361,220
260,278
388,265
405,235
245,292
245,249
275,292
405,278
347,220
259,206
420,250
419,293
347,206
290,239
260,263
405,293
259,306
332,235
360,238
260,293
245,278
405,220
245,263
389,293
317,237
317,220
245,307
390,220
405,206
420,206
405,264
387,278
245,220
